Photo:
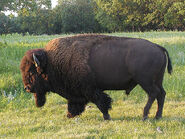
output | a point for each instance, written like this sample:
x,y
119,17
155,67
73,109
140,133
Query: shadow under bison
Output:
x,y
81,67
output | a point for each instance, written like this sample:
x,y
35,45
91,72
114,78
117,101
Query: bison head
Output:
x,y
34,76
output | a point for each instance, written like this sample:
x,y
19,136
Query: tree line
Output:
x,y
80,16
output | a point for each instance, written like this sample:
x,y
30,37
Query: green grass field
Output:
x,y
19,117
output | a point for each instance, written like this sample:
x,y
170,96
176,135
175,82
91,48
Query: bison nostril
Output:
x,y
26,88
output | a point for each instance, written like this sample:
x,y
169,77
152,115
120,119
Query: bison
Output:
x,y
79,68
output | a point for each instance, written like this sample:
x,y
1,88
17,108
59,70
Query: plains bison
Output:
x,y
79,68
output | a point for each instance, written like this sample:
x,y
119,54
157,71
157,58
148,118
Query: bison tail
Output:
x,y
169,63
169,66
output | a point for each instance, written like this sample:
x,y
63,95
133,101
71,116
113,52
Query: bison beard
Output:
x,y
80,68
40,99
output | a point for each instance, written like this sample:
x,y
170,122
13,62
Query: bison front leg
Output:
x,y
75,108
103,102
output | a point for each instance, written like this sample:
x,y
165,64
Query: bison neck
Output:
x,y
68,69
60,84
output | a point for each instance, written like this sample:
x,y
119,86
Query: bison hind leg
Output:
x,y
153,91
160,102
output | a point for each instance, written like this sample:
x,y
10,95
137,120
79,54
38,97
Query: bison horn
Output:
x,y
36,61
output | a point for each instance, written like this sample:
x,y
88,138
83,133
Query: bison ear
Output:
x,y
39,59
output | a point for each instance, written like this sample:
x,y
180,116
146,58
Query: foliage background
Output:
x,y
77,16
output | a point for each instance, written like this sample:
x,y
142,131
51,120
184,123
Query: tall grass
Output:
x,y
20,118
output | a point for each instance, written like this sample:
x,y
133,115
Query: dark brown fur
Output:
x,y
71,67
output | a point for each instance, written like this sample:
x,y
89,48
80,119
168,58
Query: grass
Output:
x,y
19,118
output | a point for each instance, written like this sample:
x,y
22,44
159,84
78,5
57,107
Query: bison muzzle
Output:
x,y
79,68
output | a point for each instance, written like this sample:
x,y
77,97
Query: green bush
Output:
x,y
141,15
8,24
77,16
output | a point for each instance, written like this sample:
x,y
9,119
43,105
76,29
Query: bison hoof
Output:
x,y
106,117
144,118
158,117
69,115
